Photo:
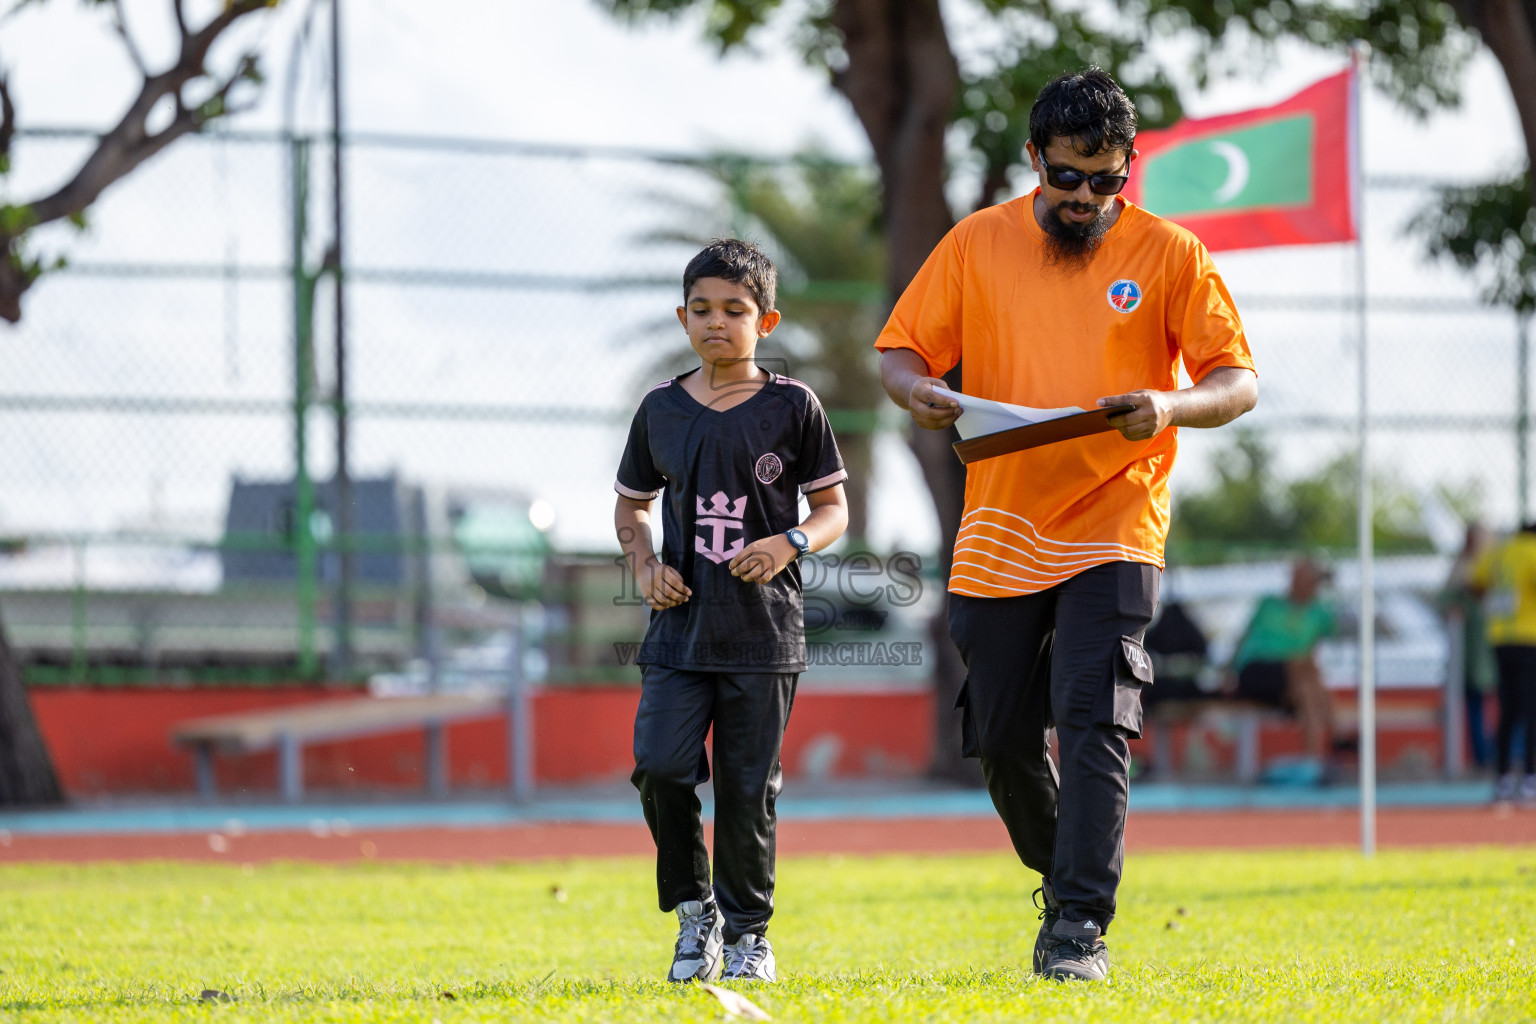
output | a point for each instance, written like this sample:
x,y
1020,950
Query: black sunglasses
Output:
x,y
1066,179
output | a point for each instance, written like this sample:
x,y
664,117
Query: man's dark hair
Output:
x,y
1088,107
731,259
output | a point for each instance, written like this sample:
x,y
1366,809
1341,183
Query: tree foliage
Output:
x,y
1250,509
1489,229
1419,48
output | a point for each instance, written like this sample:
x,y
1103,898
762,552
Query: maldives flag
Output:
x,y
1280,175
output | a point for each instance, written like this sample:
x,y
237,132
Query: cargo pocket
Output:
x,y
969,745
1121,706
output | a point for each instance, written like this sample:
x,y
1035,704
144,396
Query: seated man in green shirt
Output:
x,y
1274,662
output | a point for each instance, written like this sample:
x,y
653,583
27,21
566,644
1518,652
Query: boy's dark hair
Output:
x,y
731,259
1088,107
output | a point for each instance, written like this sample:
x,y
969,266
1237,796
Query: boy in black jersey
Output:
x,y
734,447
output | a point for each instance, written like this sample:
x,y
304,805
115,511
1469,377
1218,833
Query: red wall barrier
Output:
x,y
118,741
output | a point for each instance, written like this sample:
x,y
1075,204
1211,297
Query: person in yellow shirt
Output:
x,y
1069,295
1506,577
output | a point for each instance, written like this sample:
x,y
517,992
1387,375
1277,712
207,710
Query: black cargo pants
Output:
x,y
1071,657
748,711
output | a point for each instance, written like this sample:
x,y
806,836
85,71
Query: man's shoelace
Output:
x,y
1040,903
747,960
1078,947
694,932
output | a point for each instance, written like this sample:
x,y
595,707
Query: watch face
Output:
x,y
799,540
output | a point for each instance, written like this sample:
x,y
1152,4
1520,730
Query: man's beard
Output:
x,y
1072,246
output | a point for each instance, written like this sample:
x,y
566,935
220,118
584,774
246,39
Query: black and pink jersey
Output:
x,y
730,477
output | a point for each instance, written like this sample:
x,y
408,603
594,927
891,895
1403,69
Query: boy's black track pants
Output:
x,y
1069,656
748,711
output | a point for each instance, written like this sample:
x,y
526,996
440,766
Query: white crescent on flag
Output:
x,y
1237,170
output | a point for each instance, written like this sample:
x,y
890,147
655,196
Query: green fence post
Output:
x,y
306,590
1523,417
79,660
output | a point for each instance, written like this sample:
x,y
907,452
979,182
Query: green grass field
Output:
x,y
1292,936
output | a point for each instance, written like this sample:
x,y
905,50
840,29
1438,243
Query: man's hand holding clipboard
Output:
x,y
1150,414
931,409
989,429
1137,415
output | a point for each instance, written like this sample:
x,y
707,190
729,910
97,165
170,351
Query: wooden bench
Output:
x,y
288,729
1240,719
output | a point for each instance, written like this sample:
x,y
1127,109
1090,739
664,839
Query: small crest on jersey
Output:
x,y
769,467
1124,295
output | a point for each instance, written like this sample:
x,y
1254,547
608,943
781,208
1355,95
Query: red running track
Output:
x,y
1144,832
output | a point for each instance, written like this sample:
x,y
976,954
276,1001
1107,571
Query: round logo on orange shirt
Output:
x,y
1124,295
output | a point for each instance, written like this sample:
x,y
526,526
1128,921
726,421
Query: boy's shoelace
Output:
x,y
748,959
694,933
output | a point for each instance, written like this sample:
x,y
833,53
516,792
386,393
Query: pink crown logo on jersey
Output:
x,y
714,519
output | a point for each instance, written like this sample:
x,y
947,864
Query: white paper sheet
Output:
x,y
983,416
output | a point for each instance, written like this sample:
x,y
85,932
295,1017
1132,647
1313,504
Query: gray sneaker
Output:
x,y
699,941
749,958
1504,790
1527,793
1050,913
1077,953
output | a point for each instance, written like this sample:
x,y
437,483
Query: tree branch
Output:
x,y
901,81
120,23
1507,31
129,143
7,120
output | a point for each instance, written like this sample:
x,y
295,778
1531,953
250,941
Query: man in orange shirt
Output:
x,y
1067,296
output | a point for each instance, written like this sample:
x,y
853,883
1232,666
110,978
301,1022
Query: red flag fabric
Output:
x,y
1280,175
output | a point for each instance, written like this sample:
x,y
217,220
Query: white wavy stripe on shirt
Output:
x,y
1034,586
967,592
1042,539
1084,558
1051,578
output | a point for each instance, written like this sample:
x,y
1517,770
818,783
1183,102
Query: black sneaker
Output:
x,y
1077,953
1050,913
699,942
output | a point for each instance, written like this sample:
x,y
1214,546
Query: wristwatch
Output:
x,y
801,542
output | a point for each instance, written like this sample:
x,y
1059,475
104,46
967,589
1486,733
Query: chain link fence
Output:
x,y
505,306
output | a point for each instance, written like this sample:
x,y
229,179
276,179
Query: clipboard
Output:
x,y
1033,435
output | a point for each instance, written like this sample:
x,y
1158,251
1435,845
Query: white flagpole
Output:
x,y
1366,684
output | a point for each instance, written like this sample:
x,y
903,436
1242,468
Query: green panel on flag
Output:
x,y
1259,167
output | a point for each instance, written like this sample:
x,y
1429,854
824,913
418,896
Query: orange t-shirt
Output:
x,y
1043,337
